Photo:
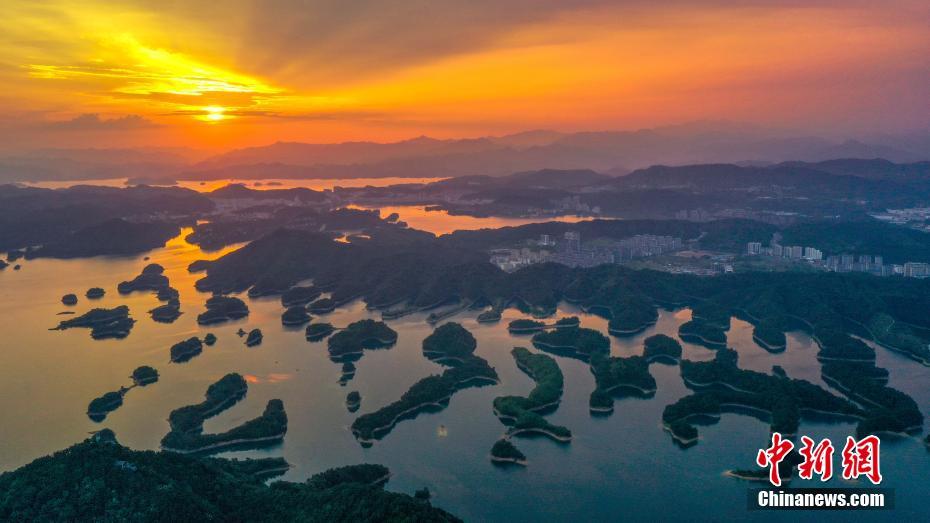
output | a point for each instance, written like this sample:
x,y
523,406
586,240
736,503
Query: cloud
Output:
x,y
93,122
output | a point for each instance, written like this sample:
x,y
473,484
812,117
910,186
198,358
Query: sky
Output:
x,y
88,73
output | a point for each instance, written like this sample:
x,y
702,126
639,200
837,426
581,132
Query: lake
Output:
x,y
619,467
317,184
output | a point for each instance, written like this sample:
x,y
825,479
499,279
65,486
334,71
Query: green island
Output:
x,y
69,299
711,313
166,313
523,415
628,315
523,325
720,386
144,375
619,377
348,372
98,408
899,337
186,435
706,334
183,351
223,308
103,323
294,316
299,296
254,338
430,393
151,278
318,331
504,452
349,343
95,293
353,401
120,484
576,342
209,339
322,306
449,343
662,348
770,335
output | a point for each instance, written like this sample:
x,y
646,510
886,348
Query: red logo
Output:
x,y
774,455
860,458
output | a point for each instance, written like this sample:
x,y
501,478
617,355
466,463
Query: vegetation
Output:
x,y
504,451
69,299
223,308
449,341
720,385
103,323
98,408
209,339
322,306
349,343
619,375
318,331
94,293
100,480
353,401
185,350
489,316
576,342
269,428
523,413
299,296
220,396
295,315
660,347
770,335
254,338
144,375
523,325
696,331
166,313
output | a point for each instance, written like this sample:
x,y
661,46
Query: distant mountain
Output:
x,y
613,152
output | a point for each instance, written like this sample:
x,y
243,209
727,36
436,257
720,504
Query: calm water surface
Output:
x,y
619,467
317,184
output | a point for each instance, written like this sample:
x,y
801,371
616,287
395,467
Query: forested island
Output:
x,y
577,342
95,293
523,415
221,309
144,375
295,316
433,392
122,484
350,342
98,408
505,452
318,331
619,376
69,299
185,350
254,338
186,435
103,323
662,348
707,334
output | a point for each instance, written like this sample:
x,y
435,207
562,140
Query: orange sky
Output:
x,y
226,74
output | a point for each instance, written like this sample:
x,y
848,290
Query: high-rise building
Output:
x,y
916,270
572,242
753,248
811,253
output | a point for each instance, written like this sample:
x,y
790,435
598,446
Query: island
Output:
x,y
98,408
575,342
209,339
121,484
504,452
95,293
619,377
254,338
348,372
318,331
449,343
349,343
662,348
708,335
151,278
295,316
186,435
526,326
299,296
430,393
103,323
144,375
166,313
221,309
183,351
353,401
322,306
3,264
523,415
69,299
720,386
711,313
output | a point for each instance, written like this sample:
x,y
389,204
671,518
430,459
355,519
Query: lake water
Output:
x,y
441,222
317,184
619,467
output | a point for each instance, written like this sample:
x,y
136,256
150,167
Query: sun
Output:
x,y
214,113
